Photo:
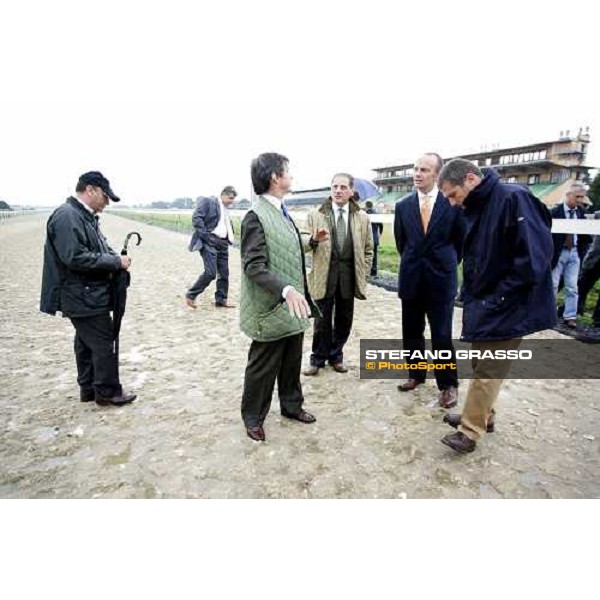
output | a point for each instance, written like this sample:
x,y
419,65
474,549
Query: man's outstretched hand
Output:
x,y
297,304
321,235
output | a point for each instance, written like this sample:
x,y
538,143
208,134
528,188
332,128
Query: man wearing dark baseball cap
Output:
x,y
79,267
97,180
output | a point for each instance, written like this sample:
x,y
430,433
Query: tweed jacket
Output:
x,y
362,237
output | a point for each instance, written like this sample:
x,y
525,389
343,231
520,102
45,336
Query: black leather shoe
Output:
x,y
87,394
224,304
459,442
302,416
125,398
256,433
453,419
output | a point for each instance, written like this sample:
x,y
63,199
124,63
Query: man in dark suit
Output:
x,y
429,235
377,229
213,234
275,302
339,273
569,250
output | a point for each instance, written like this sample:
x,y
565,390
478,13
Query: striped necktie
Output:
x,y
340,229
570,239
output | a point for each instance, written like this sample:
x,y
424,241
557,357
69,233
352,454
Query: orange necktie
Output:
x,y
426,212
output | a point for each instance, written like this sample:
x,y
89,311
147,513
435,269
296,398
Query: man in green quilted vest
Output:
x,y
275,303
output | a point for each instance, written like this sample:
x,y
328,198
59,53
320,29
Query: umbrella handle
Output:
x,y
139,241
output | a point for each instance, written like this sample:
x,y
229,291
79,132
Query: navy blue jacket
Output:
x,y
205,219
507,252
429,260
583,241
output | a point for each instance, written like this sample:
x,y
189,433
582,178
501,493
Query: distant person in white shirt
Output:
x,y
569,249
213,234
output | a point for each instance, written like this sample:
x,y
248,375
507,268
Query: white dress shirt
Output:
x,y
276,202
223,228
345,213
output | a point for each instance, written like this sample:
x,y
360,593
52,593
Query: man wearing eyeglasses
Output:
x,y
79,268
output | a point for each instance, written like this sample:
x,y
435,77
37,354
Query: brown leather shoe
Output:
x,y
256,433
125,398
311,370
448,397
571,323
409,385
453,419
190,303
459,442
302,416
223,304
339,367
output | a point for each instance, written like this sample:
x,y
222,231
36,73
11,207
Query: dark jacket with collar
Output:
x,y
583,241
428,260
205,219
78,264
376,228
507,253
592,256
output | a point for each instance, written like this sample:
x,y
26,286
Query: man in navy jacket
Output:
x,y
507,282
429,234
213,234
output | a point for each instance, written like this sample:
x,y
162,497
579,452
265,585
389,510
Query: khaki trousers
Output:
x,y
488,376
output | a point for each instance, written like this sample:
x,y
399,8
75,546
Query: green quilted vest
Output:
x,y
262,316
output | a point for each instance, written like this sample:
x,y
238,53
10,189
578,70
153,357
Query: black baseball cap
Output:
x,y
96,179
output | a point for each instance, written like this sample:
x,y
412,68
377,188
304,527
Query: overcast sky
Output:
x,y
171,99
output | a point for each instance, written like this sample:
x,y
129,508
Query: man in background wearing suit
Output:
x,y
569,250
275,302
429,236
213,234
377,229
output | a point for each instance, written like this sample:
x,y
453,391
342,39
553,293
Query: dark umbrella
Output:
x,y
366,189
120,284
